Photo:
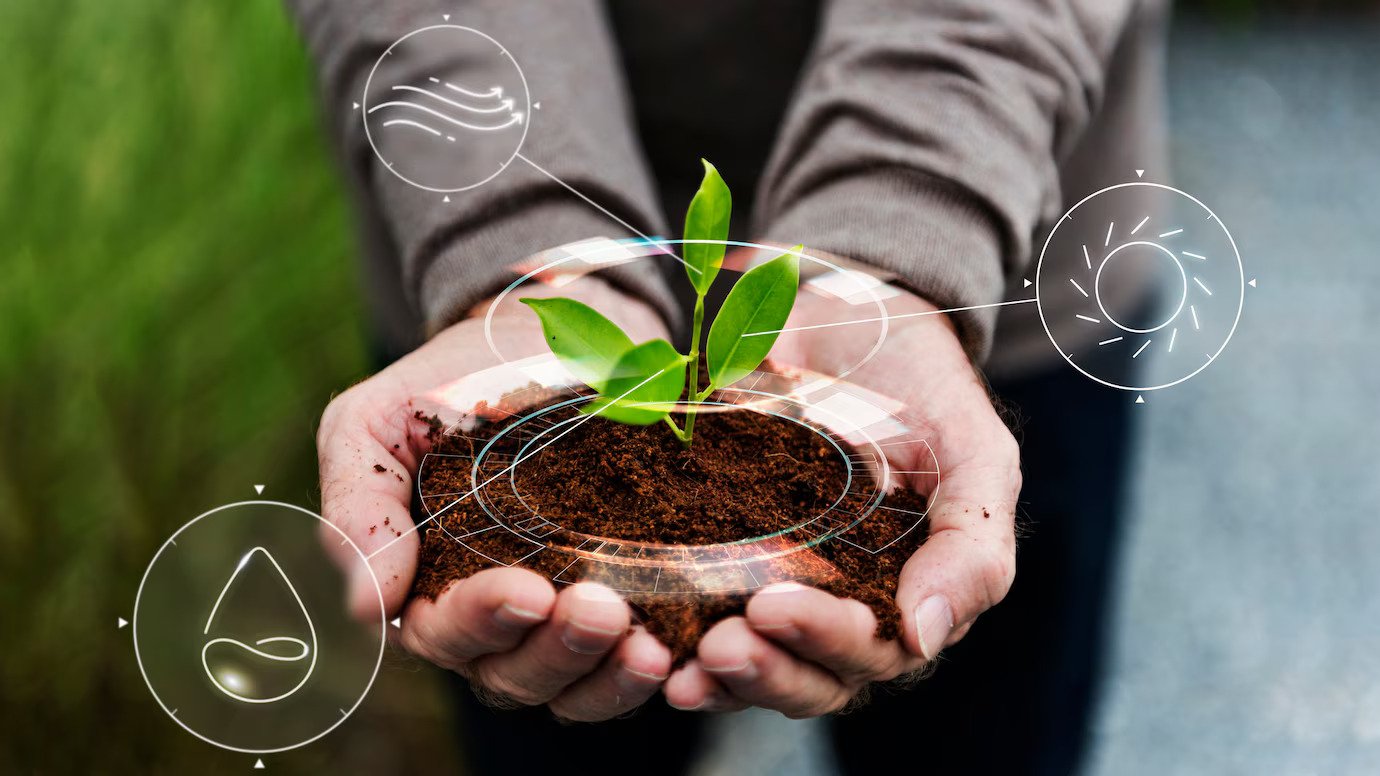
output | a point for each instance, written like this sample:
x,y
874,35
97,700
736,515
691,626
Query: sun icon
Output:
x,y
1135,270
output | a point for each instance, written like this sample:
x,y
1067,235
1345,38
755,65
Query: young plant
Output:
x,y
642,384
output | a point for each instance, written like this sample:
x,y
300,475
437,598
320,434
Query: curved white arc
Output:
x,y
411,123
1097,286
494,91
265,654
516,118
502,106
311,628
883,319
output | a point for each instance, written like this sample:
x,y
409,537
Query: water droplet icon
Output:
x,y
246,672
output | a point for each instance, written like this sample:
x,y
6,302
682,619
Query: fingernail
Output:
x,y
588,640
744,671
785,631
633,681
597,593
934,619
675,705
509,616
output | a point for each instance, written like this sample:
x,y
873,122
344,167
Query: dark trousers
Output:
x,y
1014,697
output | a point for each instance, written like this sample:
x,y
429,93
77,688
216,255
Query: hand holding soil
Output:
x,y
798,650
804,652
505,629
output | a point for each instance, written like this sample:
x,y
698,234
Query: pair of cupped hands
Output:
x,y
577,650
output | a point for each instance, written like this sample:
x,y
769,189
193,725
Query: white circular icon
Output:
x,y
446,108
1139,270
242,631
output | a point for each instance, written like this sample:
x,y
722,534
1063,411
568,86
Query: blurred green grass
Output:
x,y
178,302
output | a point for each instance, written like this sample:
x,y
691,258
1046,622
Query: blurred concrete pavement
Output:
x,y
1248,631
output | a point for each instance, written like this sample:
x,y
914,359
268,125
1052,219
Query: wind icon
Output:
x,y
428,109
259,672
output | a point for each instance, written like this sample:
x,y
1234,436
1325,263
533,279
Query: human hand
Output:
x,y
507,630
804,652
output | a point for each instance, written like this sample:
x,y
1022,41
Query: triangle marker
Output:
x,y
536,106
1026,283
446,198
1252,283
1140,400
445,16
1140,173
258,765
259,489
121,622
356,106
397,622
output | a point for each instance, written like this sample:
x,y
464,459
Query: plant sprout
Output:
x,y
641,384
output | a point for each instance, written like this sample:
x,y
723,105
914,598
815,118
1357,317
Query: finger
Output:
x,y
625,681
489,612
366,485
587,622
838,634
690,688
762,674
968,562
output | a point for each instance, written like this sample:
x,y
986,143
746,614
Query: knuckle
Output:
x,y
504,687
337,410
997,570
818,707
1006,448
415,644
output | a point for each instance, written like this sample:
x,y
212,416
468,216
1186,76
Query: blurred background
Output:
x,y
180,300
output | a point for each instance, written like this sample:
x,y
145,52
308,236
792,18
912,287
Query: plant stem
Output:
x,y
692,390
676,430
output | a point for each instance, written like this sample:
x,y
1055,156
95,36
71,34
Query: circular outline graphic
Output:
x,y
727,556
1240,299
1097,286
383,625
527,113
674,553
884,323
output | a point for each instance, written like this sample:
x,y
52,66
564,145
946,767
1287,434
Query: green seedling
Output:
x,y
641,384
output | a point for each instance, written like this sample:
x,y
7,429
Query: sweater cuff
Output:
x,y
475,266
933,235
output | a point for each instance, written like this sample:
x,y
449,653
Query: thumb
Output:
x,y
366,489
968,562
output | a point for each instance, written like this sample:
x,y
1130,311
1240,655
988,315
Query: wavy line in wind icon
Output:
x,y
446,108
468,111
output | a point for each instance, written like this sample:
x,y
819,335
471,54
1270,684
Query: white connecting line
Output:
x,y
603,210
888,317
512,466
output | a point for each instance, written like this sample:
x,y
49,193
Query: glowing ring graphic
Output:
x,y
1097,286
527,109
637,567
171,541
1050,282
581,252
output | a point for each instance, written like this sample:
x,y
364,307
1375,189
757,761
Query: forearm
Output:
x,y
925,139
452,254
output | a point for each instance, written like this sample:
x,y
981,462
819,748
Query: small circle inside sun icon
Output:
x,y
1135,270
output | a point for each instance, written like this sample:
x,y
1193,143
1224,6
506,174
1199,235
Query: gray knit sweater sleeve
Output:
x,y
925,138
451,255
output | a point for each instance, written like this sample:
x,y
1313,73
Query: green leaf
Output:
x,y
587,343
707,219
760,301
628,384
